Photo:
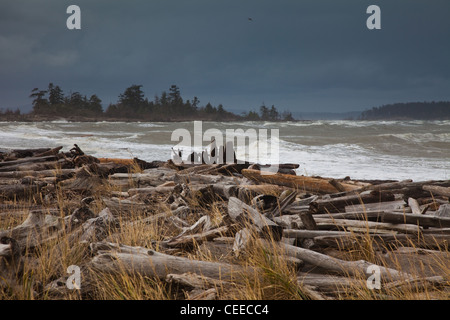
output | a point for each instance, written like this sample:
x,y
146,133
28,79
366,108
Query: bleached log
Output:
x,y
443,191
309,234
370,226
349,268
149,263
377,206
437,231
353,215
416,219
414,205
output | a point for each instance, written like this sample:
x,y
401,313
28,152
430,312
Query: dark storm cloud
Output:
x,y
298,55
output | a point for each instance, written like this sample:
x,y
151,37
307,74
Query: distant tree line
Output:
x,y
167,106
52,102
133,105
10,115
413,110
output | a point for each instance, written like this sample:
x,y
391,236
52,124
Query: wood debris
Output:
x,y
233,209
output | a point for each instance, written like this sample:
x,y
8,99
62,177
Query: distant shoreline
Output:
x,y
26,118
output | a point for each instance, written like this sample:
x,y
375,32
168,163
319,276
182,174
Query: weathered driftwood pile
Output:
x,y
301,216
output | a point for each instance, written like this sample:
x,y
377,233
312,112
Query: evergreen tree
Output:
x,y
252,116
220,110
209,108
264,113
133,97
40,103
273,114
195,102
55,95
95,104
175,95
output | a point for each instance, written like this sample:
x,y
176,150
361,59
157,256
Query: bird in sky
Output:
x,y
250,19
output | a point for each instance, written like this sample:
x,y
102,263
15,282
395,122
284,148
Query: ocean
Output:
x,y
387,150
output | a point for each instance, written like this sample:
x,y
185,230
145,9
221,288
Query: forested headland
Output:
x,y
409,111
132,105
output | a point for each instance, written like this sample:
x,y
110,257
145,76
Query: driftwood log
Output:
x,y
369,226
338,204
383,241
301,183
159,265
443,191
348,268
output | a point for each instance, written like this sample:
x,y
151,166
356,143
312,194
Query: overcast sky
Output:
x,y
301,56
